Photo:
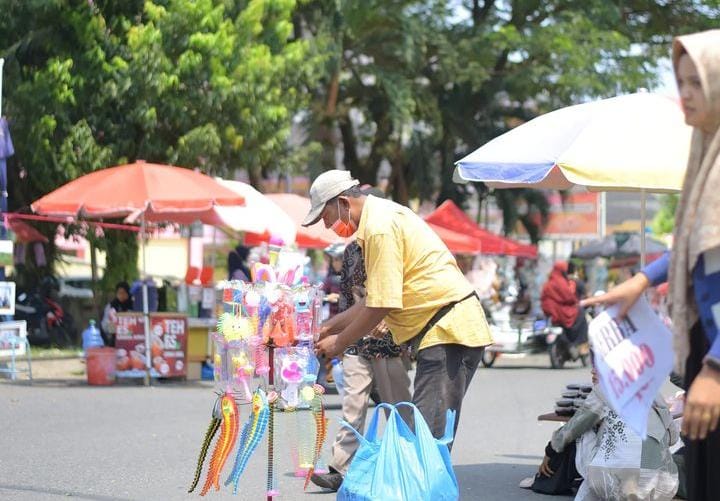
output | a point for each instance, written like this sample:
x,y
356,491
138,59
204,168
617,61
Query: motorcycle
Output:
x,y
562,350
515,335
48,324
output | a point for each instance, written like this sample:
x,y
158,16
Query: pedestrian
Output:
x,y
237,264
414,284
559,302
331,284
371,362
122,302
613,461
693,265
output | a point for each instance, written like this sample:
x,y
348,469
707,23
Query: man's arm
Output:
x,y
362,322
340,321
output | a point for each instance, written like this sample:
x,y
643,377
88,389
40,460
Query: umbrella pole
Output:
x,y
146,315
603,214
643,222
2,63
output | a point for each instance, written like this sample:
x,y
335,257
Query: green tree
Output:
x,y
664,220
213,84
421,83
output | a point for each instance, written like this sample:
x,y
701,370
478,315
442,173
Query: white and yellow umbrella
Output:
x,y
632,142
636,142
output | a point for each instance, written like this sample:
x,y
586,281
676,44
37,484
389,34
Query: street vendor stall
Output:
x,y
140,191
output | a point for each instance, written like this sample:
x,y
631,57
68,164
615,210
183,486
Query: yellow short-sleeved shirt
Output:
x,y
411,270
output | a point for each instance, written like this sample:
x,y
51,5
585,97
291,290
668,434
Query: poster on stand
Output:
x,y
12,339
7,298
168,345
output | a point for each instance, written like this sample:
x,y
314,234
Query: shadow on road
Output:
x,y
474,480
57,492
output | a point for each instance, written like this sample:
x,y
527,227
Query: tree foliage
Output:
x,y
212,84
421,83
407,85
664,221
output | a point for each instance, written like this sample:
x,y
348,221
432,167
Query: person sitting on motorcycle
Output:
x,y
559,301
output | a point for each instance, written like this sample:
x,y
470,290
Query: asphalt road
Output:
x,y
62,440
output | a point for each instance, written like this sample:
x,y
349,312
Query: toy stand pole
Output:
x,y
271,424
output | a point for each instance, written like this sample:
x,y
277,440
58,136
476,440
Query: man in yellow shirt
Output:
x,y
414,284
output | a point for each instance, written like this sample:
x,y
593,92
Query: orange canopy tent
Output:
x,y
450,216
457,243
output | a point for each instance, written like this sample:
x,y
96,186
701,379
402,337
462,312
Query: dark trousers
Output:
x,y
565,475
702,457
442,377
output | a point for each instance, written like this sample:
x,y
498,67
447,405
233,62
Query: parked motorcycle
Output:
x,y
48,324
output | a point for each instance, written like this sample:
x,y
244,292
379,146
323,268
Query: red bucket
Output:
x,y
101,366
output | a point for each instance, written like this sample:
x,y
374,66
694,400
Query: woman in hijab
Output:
x,y
694,266
237,264
120,303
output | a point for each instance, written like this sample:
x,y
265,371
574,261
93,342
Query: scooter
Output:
x,y
531,337
48,324
562,350
527,338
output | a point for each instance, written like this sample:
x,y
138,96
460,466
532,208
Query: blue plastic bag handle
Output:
x,y
371,434
449,421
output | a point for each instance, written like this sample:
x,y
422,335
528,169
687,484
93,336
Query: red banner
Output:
x,y
168,345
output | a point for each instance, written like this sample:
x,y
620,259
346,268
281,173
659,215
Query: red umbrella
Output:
x,y
145,191
155,192
448,215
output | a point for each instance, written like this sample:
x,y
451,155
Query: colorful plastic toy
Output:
x,y
252,433
224,444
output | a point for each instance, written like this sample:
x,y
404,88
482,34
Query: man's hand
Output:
x,y
380,330
625,294
330,346
332,298
702,405
544,469
325,331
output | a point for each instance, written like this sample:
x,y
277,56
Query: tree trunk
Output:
x,y
399,183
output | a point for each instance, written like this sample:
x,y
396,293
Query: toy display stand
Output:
x,y
266,331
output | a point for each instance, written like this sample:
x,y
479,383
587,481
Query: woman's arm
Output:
x,y
584,419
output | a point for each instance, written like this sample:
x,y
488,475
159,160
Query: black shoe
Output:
x,y
331,481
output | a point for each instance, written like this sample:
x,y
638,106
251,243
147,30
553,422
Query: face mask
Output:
x,y
341,228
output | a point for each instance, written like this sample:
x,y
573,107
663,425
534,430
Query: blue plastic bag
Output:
x,y
401,465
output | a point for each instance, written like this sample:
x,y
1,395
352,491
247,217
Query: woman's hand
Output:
x,y
625,294
544,469
702,405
